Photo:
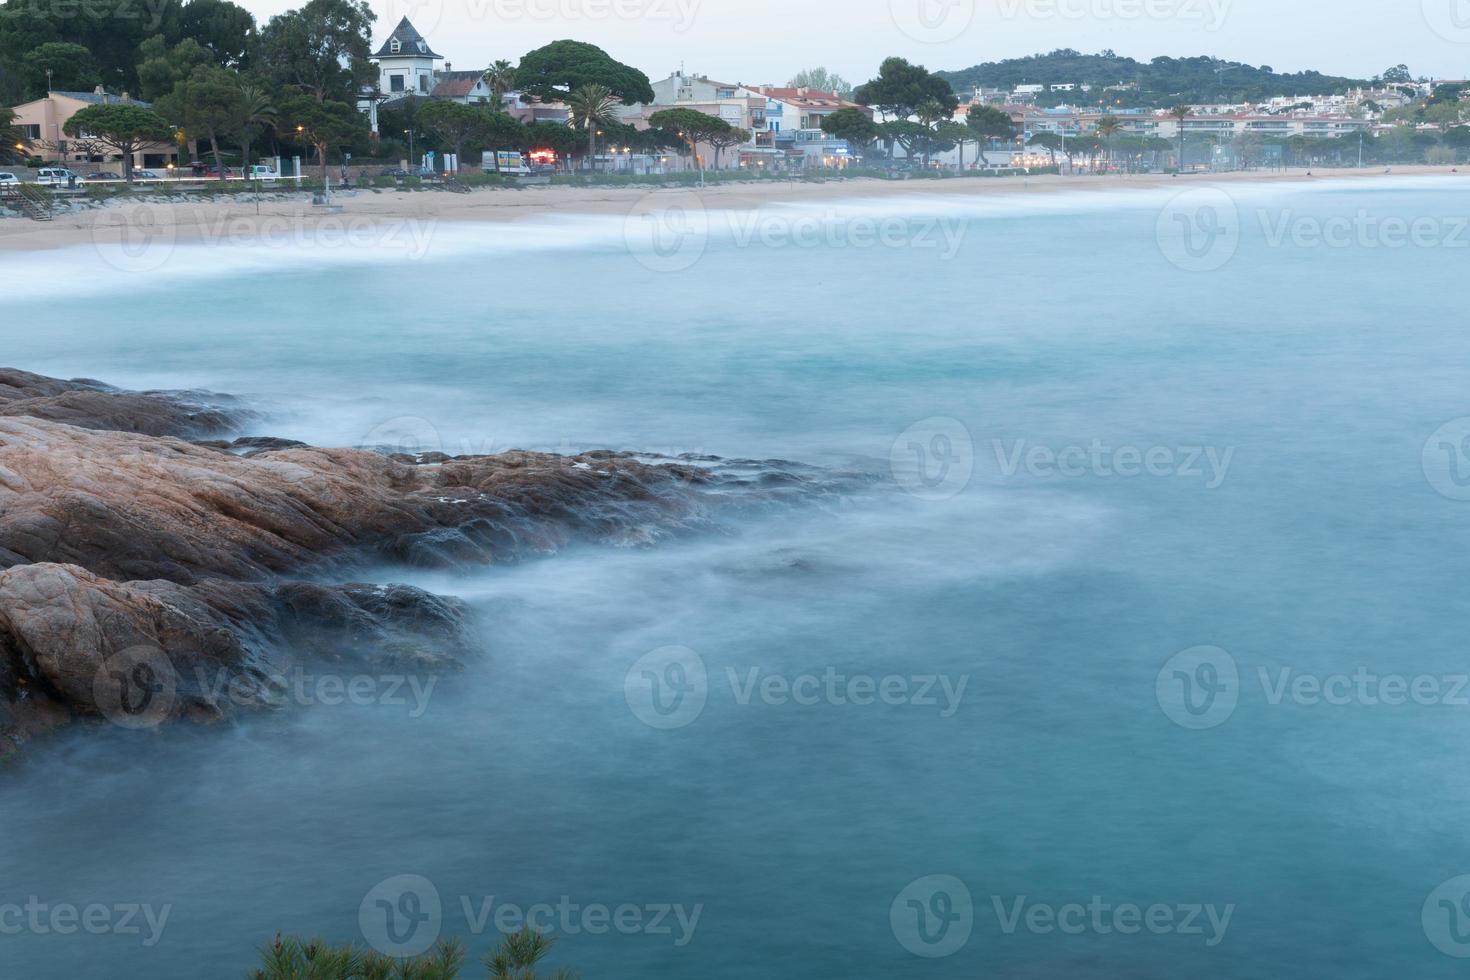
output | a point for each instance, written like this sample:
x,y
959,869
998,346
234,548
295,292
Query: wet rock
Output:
x,y
93,405
133,507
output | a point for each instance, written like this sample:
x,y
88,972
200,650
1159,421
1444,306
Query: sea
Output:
x,y
1130,646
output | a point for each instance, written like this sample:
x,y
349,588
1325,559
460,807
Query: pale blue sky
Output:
x,y
755,41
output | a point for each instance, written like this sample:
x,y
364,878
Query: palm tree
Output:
x,y
1181,113
11,141
500,78
256,114
592,106
1107,128
929,112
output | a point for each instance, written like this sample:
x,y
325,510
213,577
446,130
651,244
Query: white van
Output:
x,y
55,176
262,173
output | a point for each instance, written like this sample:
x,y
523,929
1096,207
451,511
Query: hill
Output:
x,y
1161,82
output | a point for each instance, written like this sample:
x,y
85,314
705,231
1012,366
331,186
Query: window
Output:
x,y
395,83
423,83
31,133
395,45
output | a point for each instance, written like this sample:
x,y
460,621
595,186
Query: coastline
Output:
x,y
201,220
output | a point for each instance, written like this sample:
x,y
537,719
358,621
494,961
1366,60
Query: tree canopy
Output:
x,y
122,127
552,72
901,88
323,48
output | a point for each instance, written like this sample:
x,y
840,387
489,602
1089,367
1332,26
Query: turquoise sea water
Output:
x,y
1289,423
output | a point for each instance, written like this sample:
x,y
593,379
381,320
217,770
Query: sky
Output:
x,y
767,41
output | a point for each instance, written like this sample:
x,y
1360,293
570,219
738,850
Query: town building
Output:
x,y
42,125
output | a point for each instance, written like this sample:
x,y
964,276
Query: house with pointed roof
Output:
x,y
406,64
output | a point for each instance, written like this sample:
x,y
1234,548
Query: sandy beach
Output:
x,y
200,220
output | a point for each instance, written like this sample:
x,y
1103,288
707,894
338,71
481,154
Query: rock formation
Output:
x,y
146,578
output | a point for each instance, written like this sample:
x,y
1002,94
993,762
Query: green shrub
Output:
x,y
292,958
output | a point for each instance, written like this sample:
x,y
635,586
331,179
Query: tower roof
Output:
x,y
411,43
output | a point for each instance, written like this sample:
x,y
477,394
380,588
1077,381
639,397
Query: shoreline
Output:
x,y
201,220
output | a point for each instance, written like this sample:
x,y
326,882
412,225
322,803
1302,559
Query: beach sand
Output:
x,y
239,219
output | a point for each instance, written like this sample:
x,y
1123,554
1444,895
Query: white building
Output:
x,y
406,65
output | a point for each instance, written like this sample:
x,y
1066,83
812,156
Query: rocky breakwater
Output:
x,y
146,578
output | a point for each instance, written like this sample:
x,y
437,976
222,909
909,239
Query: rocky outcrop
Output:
x,y
135,507
145,578
94,405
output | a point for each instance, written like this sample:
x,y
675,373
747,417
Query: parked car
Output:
x,y
55,176
212,171
422,172
101,175
8,179
263,173
147,175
